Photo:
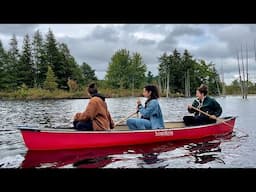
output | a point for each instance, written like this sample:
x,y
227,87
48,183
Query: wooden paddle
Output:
x,y
122,120
218,119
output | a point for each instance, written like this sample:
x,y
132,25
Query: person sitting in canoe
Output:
x,y
96,115
151,114
205,104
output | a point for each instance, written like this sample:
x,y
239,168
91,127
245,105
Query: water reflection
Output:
x,y
202,151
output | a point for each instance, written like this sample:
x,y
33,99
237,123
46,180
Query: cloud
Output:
x,y
212,50
236,35
186,30
17,29
146,41
168,44
108,34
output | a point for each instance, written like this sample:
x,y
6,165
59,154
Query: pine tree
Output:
x,y
12,63
150,77
53,57
88,73
137,70
3,68
39,58
68,68
26,73
50,81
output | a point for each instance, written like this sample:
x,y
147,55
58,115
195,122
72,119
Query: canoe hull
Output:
x,y
56,140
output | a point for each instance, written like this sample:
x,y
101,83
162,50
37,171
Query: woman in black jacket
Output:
x,y
206,104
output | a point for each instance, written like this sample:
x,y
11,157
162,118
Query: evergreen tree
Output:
x,y
26,73
88,73
150,77
137,70
53,58
50,81
68,67
40,66
173,69
3,68
12,63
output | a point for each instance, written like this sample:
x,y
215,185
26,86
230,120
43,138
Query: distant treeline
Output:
x,y
44,63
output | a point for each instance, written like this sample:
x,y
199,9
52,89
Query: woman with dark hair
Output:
x,y
206,104
151,114
96,115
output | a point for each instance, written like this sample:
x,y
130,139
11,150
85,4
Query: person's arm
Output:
x,y
194,104
90,111
112,124
218,109
146,112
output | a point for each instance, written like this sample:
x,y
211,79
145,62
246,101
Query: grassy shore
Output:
x,y
37,93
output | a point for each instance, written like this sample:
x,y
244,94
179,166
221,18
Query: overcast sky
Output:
x,y
96,43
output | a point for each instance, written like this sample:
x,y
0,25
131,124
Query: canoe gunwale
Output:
x,y
70,130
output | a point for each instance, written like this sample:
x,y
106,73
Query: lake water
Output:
x,y
237,150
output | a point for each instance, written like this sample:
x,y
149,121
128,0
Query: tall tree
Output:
x,y
26,73
150,77
136,71
187,62
118,69
68,67
3,68
39,58
50,81
88,73
13,58
174,70
53,58
125,71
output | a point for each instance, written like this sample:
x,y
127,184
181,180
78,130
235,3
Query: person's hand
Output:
x,y
138,101
77,116
190,106
213,117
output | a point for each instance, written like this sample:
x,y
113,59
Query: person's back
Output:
x,y
96,116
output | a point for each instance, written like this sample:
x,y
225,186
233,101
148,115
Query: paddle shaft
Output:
x,y
122,120
218,119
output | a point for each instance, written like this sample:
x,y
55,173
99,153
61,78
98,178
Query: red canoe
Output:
x,y
56,139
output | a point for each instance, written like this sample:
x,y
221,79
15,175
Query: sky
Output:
x,y
95,44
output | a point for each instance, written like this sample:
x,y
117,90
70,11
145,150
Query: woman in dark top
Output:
x,y
206,104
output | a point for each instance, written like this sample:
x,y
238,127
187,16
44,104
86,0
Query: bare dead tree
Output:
x,y
240,78
247,74
243,79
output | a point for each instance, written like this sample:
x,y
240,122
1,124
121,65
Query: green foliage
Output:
x,y
23,91
88,73
12,63
3,68
50,81
125,71
40,66
150,78
26,74
173,67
